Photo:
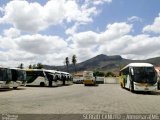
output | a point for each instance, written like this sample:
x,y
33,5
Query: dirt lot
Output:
x,y
105,98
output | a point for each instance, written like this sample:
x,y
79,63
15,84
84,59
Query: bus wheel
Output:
x,y
14,87
42,84
158,86
131,88
122,86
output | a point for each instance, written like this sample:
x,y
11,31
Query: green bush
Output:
x,y
98,73
110,74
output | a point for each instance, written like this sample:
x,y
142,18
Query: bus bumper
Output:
x,y
88,82
15,84
54,84
145,87
3,85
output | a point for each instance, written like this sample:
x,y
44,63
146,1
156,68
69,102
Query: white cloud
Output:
x,y
3,57
114,31
87,44
73,29
31,49
134,19
85,39
38,44
7,44
133,47
115,41
11,32
79,13
97,2
155,27
52,50
33,17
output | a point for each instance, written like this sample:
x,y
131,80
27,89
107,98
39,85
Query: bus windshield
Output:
x,y
21,75
144,75
88,75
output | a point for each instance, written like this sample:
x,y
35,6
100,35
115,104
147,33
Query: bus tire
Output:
x,y
121,85
42,84
158,86
131,87
14,87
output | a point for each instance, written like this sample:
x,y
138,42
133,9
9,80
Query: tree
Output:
x,y
98,73
34,66
30,66
67,62
110,74
74,61
21,66
39,66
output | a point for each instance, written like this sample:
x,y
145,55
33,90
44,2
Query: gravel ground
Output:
x,y
77,99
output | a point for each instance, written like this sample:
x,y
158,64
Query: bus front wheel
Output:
x,y
42,84
131,87
122,85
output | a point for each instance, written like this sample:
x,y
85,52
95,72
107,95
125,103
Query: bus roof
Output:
x,y
53,71
33,69
17,69
64,72
46,70
138,65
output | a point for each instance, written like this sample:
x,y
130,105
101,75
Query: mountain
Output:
x,y
104,63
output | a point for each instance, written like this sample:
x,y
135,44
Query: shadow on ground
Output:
x,y
19,89
5,90
10,89
145,92
148,92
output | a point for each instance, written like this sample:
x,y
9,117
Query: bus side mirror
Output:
x,y
132,72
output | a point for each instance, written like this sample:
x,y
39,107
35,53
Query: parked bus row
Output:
x,y
134,76
42,77
15,77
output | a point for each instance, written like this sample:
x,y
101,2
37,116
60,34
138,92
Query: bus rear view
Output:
x,y
139,77
88,78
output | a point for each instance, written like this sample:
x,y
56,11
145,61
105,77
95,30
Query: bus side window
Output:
x,y
56,77
125,71
14,75
1,75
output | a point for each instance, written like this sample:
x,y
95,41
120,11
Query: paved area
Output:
x,y
105,98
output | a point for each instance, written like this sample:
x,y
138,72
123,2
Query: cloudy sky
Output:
x,y
48,31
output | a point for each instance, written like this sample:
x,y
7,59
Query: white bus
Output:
x,y
138,77
42,77
11,77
